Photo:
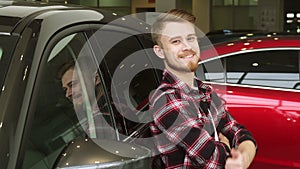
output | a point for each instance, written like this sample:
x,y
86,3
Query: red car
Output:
x,y
258,78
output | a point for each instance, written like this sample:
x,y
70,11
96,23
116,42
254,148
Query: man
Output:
x,y
71,84
190,123
97,122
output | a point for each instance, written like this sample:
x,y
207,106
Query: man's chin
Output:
x,y
193,66
79,107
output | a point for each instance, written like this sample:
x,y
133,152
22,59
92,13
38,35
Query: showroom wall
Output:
x,y
200,8
267,15
140,5
247,14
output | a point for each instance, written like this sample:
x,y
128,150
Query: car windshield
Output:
x,y
7,44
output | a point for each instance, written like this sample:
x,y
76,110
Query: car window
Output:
x,y
212,71
131,71
11,103
273,68
6,47
56,121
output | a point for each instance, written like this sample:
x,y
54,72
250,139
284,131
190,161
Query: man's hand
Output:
x,y
236,160
242,157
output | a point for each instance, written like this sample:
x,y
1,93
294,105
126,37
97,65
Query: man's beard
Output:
x,y
80,107
192,65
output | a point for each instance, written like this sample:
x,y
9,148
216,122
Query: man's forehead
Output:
x,y
174,29
72,73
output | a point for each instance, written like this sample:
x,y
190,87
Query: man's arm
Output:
x,y
184,128
238,138
243,146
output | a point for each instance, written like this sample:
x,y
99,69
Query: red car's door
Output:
x,y
273,117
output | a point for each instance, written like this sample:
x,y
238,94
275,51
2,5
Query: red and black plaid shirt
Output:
x,y
183,131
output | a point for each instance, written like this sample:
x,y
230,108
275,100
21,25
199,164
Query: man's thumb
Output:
x,y
234,153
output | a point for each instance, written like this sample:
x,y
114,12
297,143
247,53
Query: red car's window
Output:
x,y
273,68
267,68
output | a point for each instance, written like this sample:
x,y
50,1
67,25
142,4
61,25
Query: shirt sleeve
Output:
x,y
235,132
184,128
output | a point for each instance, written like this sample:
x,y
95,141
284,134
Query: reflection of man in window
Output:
x,y
98,122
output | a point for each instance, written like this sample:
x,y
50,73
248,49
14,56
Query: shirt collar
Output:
x,y
175,82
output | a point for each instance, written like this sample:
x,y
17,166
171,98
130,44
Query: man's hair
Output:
x,y
64,68
71,65
173,15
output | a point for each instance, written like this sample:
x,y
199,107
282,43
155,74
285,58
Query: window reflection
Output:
x,y
265,68
1,52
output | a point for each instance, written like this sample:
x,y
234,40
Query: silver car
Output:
x,y
39,127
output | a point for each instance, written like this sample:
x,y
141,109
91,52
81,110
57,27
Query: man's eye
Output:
x,y
73,84
192,38
175,41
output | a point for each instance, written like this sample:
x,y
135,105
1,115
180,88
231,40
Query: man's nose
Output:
x,y
69,93
186,45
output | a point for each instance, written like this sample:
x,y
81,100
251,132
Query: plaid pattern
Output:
x,y
182,128
101,126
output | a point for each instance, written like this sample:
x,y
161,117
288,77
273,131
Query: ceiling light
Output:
x,y
290,15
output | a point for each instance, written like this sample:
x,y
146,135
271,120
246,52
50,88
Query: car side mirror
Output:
x,y
96,154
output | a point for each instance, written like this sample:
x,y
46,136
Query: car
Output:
x,y
39,128
229,34
258,79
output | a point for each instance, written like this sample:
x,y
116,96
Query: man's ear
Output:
x,y
159,51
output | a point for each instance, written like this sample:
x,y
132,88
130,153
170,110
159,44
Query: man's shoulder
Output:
x,y
161,91
163,88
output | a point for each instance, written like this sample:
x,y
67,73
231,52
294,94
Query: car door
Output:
x,y
268,92
15,91
128,71
261,91
131,71
43,122
52,121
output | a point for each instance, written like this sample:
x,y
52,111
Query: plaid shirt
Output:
x,y
182,127
100,124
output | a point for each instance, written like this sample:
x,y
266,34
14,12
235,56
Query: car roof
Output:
x,y
245,44
226,34
14,14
